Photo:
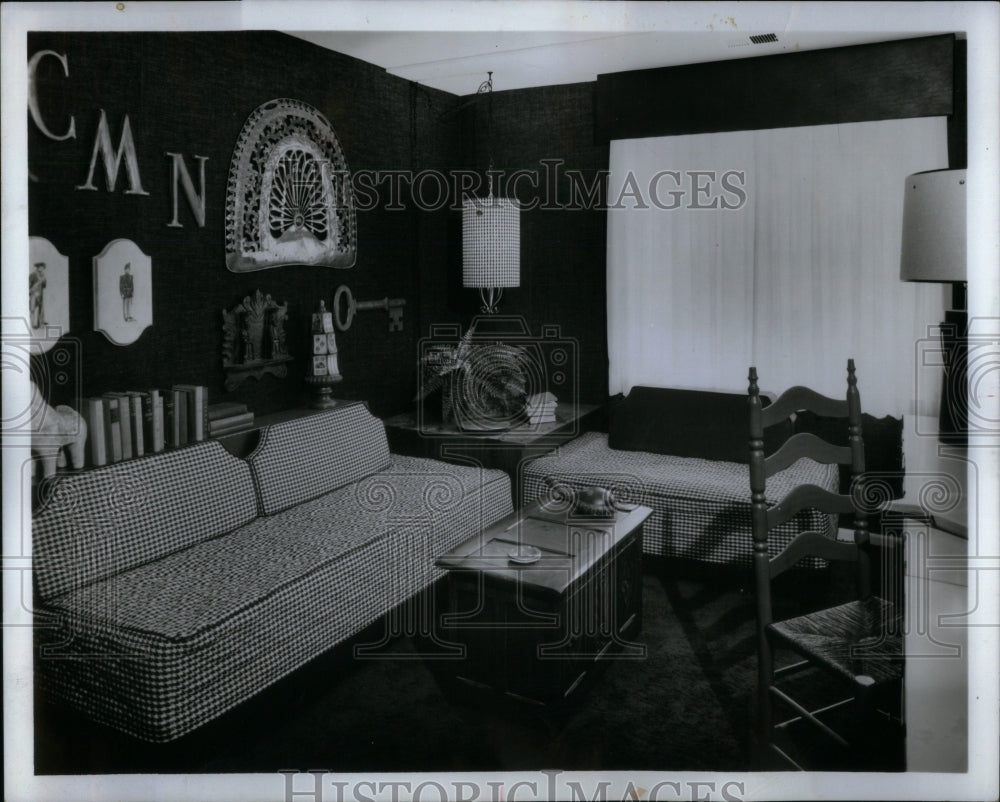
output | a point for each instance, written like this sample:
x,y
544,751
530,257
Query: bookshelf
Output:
x,y
239,443
124,425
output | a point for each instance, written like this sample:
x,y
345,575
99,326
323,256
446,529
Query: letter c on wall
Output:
x,y
36,114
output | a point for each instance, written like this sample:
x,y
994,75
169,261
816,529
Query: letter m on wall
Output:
x,y
113,159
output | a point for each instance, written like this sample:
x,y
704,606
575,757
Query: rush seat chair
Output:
x,y
857,644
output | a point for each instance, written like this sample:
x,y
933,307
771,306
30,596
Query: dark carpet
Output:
x,y
687,705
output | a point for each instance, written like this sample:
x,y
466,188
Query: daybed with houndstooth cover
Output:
x,y
175,586
683,453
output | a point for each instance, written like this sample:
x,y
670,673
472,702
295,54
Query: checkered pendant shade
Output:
x,y
491,243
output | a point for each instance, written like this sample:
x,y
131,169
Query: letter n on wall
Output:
x,y
195,200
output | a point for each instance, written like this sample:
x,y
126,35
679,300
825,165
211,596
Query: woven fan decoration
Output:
x,y
289,199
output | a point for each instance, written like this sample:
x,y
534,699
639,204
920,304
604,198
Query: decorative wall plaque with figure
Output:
x,y
289,199
253,340
48,294
123,292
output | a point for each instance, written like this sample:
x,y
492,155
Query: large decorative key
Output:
x,y
394,306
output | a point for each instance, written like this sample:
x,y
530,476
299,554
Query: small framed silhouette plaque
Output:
x,y
123,292
48,293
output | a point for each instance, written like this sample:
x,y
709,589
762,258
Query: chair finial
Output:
x,y
753,389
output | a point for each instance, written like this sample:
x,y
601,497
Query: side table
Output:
x,y
507,450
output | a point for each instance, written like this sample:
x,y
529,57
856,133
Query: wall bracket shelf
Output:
x,y
253,340
237,374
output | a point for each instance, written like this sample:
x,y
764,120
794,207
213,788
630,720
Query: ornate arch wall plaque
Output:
x,y
289,198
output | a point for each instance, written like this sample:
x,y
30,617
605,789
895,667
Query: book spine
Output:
x,y
181,416
204,413
221,425
124,423
138,423
240,426
170,420
112,428
225,409
146,407
96,434
197,414
197,397
156,402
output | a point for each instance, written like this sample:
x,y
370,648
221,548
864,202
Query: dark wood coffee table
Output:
x,y
538,630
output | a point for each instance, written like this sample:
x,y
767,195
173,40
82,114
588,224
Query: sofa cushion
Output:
x,y
304,458
208,627
701,508
688,423
103,521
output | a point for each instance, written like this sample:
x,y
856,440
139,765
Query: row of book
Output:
x,y
123,425
228,417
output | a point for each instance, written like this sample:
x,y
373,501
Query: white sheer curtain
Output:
x,y
680,281
804,274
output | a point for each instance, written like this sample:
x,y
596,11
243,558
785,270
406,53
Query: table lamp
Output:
x,y
934,249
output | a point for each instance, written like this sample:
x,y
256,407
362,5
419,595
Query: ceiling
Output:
x,y
458,61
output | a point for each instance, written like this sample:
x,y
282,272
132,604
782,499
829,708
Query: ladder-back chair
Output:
x,y
857,642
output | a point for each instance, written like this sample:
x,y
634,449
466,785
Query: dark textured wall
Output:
x,y
548,132
879,81
191,94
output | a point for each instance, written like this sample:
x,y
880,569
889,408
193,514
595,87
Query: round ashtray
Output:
x,y
524,555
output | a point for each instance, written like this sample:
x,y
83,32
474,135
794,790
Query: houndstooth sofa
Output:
x,y
175,586
683,453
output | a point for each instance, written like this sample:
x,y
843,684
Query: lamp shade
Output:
x,y
491,243
934,227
